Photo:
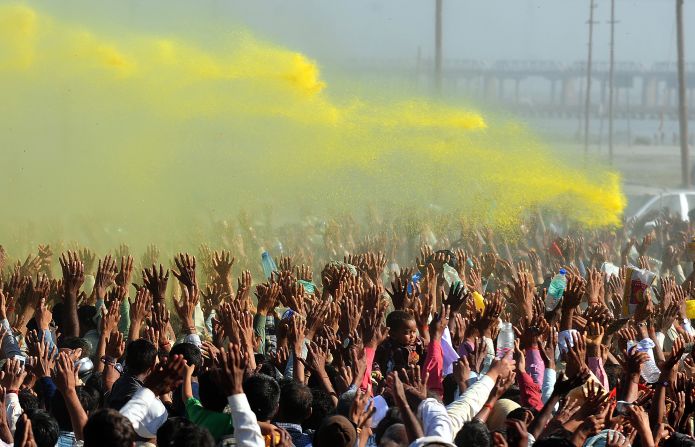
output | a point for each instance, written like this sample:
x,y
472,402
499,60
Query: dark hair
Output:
x,y
209,391
295,402
450,387
169,429
191,353
396,319
679,440
43,426
520,413
195,435
554,441
108,428
27,400
393,416
473,434
96,384
263,394
88,399
321,406
85,315
140,356
75,343
396,433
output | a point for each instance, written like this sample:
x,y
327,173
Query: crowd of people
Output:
x,y
463,345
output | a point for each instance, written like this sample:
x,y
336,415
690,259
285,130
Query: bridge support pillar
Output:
x,y
490,87
650,93
569,94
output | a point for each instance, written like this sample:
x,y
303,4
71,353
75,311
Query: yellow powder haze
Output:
x,y
143,136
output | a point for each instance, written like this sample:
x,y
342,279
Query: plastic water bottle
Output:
x,y
450,274
649,372
505,339
555,290
268,265
414,280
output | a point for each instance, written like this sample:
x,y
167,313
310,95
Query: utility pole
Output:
x,y
682,112
587,105
610,84
438,46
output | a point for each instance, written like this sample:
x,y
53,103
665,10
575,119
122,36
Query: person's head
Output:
x,y
394,436
182,432
321,406
86,314
88,399
43,426
28,400
295,402
263,394
195,435
191,353
521,414
108,428
473,434
140,356
77,347
393,416
554,441
335,431
679,440
402,327
209,391
95,383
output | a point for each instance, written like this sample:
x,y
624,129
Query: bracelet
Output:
x,y
12,391
108,360
488,406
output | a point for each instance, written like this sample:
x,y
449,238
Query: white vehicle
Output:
x,y
642,201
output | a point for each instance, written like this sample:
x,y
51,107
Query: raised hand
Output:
x,y
88,257
244,289
139,311
123,277
156,282
160,322
166,378
576,355
400,297
267,295
576,286
65,374
73,273
456,297
115,346
233,365
439,322
185,307
105,277
315,317
222,263
595,290
186,274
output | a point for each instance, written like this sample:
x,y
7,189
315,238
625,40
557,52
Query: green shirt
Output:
x,y
219,424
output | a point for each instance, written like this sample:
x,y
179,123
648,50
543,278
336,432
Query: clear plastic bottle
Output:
x,y
268,264
450,274
414,280
505,339
555,290
649,372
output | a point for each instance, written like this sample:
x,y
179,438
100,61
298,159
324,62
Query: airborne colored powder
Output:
x,y
153,133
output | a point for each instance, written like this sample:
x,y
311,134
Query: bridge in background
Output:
x,y
548,88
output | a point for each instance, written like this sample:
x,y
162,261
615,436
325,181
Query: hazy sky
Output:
x,y
364,29
490,29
